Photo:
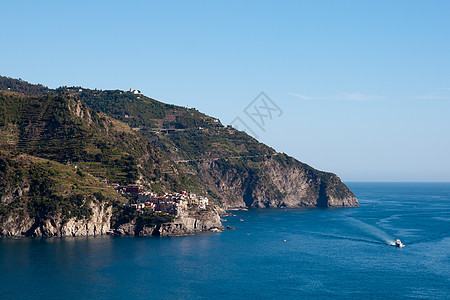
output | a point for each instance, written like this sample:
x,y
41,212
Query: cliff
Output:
x,y
275,181
187,222
57,147
59,226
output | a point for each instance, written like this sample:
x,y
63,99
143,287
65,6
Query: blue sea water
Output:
x,y
272,253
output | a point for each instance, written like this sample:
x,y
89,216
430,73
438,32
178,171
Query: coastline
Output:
x,y
186,223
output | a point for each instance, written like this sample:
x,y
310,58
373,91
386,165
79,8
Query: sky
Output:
x,y
357,88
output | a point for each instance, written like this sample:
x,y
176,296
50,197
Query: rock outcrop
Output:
x,y
275,181
57,226
188,222
16,225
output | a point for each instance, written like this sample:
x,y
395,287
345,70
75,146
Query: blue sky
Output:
x,y
364,86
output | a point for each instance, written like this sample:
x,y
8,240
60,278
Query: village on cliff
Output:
x,y
172,204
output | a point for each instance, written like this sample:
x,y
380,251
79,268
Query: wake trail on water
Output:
x,y
347,238
371,230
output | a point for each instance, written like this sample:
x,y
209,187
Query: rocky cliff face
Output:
x,y
188,222
302,185
275,181
58,226
100,223
16,225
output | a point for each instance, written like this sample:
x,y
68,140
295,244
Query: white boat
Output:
x,y
399,244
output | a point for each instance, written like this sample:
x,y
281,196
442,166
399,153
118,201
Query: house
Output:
x,y
202,202
150,206
173,204
138,206
133,188
193,200
166,206
146,196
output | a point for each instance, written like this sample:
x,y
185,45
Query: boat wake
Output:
x,y
371,234
356,239
371,230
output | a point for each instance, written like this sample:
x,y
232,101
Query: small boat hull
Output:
x,y
399,244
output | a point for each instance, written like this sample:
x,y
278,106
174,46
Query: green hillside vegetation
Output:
x,y
62,128
136,110
41,188
49,127
183,132
23,87
184,135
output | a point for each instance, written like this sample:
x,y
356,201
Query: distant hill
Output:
x,y
20,86
125,137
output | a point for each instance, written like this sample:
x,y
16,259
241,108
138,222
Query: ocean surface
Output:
x,y
272,254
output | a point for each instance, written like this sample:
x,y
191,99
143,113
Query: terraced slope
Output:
x,y
125,137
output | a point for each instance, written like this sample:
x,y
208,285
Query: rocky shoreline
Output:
x,y
186,223
56,226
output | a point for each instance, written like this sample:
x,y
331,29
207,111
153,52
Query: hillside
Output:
x,y
39,195
124,137
23,87
60,127
232,166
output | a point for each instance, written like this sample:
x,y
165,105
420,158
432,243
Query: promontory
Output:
x,y
78,162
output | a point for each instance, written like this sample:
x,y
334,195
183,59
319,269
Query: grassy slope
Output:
x,y
60,128
40,187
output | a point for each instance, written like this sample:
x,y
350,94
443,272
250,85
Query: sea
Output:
x,y
271,254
